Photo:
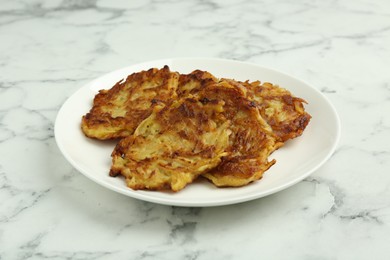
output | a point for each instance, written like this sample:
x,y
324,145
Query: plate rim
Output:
x,y
217,202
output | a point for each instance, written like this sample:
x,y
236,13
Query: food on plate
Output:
x,y
193,82
173,146
177,143
283,112
118,111
176,127
251,140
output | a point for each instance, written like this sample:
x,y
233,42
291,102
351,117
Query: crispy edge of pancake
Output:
x,y
242,170
273,95
284,112
176,144
238,171
117,112
251,141
194,82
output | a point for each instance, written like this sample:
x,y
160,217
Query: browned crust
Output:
x,y
262,117
295,118
172,165
251,141
149,87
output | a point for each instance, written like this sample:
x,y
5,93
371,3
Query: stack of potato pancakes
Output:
x,y
173,128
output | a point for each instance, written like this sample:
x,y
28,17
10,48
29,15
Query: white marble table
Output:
x,y
49,49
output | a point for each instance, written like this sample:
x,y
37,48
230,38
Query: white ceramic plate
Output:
x,y
295,161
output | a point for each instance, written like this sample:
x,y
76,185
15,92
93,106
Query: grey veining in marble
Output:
x,y
49,49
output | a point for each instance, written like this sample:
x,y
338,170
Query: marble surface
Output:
x,y
49,49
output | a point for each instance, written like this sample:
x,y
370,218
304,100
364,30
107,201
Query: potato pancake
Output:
x,y
251,140
173,146
118,111
216,127
283,112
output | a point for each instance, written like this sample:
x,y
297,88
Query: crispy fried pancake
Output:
x,y
173,146
117,112
251,140
193,124
179,142
194,82
282,111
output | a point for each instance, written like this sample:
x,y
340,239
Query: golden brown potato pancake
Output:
x,y
118,111
283,112
173,146
251,140
190,137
